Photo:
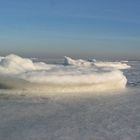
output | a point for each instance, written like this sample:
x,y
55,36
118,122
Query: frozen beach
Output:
x,y
111,114
69,70
94,117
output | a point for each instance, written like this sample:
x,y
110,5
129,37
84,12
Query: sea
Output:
x,y
72,112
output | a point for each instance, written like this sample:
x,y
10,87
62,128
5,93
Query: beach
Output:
x,y
104,115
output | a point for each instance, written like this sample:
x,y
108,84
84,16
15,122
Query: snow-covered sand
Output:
x,y
112,114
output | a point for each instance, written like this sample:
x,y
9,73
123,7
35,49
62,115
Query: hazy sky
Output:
x,y
78,28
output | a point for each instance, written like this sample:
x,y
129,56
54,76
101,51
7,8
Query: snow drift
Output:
x,y
80,62
74,76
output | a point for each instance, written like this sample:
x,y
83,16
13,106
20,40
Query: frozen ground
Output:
x,y
98,117
88,116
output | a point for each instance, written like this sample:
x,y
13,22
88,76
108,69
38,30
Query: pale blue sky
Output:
x,y
77,28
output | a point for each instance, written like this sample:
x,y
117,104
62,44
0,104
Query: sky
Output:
x,y
76,28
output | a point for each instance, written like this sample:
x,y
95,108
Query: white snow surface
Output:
x,y
80,62
74,75
113,116
39,115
